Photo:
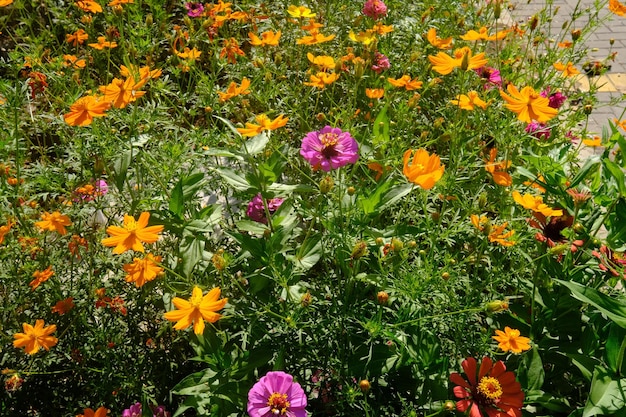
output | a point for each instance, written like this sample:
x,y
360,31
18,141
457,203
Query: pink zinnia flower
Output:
x,y
276,395
329,148
490,75
556,100
538,130
374,9
256,208
489,390
381,63
194,9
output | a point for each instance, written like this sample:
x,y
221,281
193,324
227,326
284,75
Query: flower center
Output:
x,y
329,139
131,225
195,300
490,387
278,404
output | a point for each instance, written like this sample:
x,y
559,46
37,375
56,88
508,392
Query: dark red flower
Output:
x,y
490,390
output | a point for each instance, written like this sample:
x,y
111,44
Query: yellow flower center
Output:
x,y
195,300
130,225
278,404
490,387
329,139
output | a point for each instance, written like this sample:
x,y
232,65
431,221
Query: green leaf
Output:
x,y
191,250
191,184
548,401
614,348
176,203
309,253
607,394
584,363
534,370
617,173
234,179
120,167
255,145
612,308
384,196
381,127
591,163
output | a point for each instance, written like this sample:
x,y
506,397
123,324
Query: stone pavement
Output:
x,y
608,38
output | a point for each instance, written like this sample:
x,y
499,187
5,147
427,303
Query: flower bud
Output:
x,y
306,299
588,109
533,22
351,190
382,297
359,250
326,184
449,405
149,20
396,245
364,385
465,61
497,10
576,34
445,276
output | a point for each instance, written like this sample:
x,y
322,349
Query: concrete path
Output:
x,y
608,38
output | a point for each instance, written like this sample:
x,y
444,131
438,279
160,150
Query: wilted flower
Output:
x,y
256,208
488,390
63,306
375,9
329,148
276,394
422,169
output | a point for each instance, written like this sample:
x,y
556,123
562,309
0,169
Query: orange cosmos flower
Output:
x,y
617,7
593,142
315,37
565,44
498,169
438,42
322,79
469,101
73,61
619,123
102,43
120,2
482,34
4,230
198,309
100,412
535,203
41,277
324,62
300,12
495,233
423,169
381,29
312,26
76,38
510,340
89,6
528,104
85,109
132,234
230,50
63,306
143,270
268,38
144,72
444,64
4,3
35,337
54,222
374,93
406,82
568,69
233,90
264,123
190,54
120,93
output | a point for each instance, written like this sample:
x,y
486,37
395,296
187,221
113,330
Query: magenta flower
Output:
x,y
375,9
329,148
490,75
556,100
539,130
194,9
160,411
133,411
381,63
256,209
276,395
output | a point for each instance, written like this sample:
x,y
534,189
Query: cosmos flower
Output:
x,y
267,38
483,35
406,82
35,337
102,43
264,123
489,390
322,79
437,42
568,70
615,6
54,222
300,12
83,111
132,234
76,38
314,38
498,169
444,64
276,394
510,340
538,130
535,203
40,277
233,90
528,104
63,306
143,270
422,169
196,310
329,148
381,63
100,412
469,101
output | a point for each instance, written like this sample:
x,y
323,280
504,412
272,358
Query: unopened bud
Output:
x,y
534,21
306,299
380,241
364,385
149,20
496,306
445,276
465,61
326,184
497,10
576,34
359,250
396,245
351,190
449,405
588,109
611,41
382,297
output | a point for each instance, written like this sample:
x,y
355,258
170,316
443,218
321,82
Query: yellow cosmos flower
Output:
x,y
143,270
423,169
268,38
323,62
498,169
132,234
264,123
510,340
73,61
365,38
121,93
482,34
374,93
89,6
406,82
437,42
190,54
300,12
314,38
35,337
102,43
495,233
568,70
381,29
620,123
617,7
528,104
469,101
593,142
198,309
4,3
234,90
54,222
535,203
463,58
85,109
322,79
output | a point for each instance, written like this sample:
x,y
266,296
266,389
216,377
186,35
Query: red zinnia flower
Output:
x,y
491,391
